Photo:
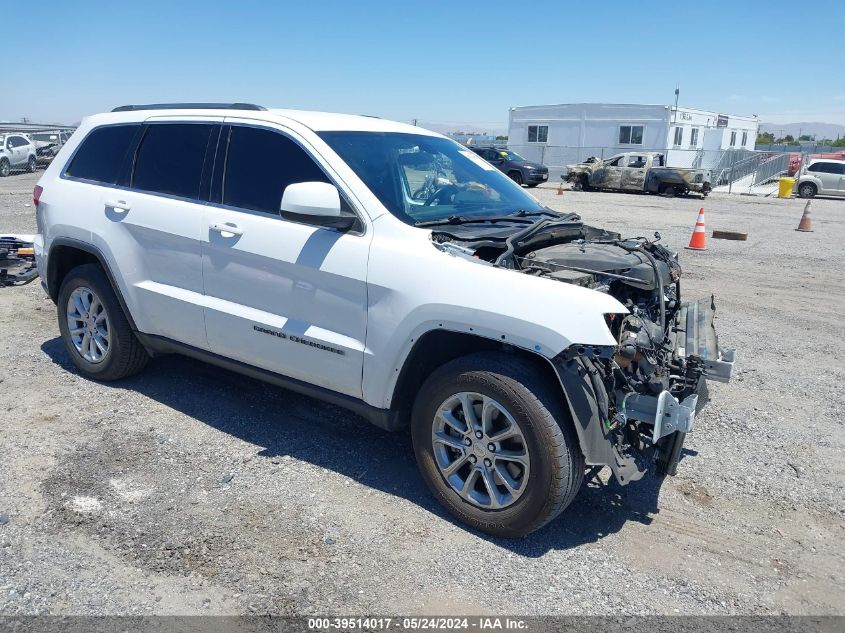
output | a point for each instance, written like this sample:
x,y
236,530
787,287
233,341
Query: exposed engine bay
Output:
x,y
635,402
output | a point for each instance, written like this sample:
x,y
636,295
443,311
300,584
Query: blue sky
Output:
x,y
457,63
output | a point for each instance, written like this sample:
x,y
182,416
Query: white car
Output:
x,y
16,153
385,269
822,177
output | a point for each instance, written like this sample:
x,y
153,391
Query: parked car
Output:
x,y
17,153
48,144
822,177
521,171
521,345
638,171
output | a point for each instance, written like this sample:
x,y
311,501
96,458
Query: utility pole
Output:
x,y
415,123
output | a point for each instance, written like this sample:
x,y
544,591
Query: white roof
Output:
x,y
316,121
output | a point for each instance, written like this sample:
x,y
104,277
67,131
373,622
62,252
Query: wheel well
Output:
x,y
438,347
62,260
515,171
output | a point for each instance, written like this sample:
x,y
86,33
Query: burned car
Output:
x,y
643,172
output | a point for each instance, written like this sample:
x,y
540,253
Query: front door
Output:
x,y
634,171
610,175
17,146
283,296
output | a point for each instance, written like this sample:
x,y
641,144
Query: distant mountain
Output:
x,y
819,130
469,128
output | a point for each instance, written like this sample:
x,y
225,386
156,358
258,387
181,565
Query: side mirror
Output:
x,y
315,203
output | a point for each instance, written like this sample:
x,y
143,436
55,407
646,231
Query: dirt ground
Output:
x,y
192,490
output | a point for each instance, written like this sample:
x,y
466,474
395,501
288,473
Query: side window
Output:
x,y
260,164
170,158
744,139
840,168
824,168
637,162
616,162
101,154
679,136
733,138
693,139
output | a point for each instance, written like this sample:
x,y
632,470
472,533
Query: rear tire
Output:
x,y
518,393
116,352
807,190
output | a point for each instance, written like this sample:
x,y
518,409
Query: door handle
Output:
x,y
226,229
121,206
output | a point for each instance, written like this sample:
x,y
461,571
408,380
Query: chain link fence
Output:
x,y
727,166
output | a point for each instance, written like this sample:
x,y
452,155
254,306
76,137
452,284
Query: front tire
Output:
x,y
495,444
807,190
30,164
5,168
516,177
96,332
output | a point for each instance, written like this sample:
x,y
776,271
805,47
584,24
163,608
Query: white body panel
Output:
x,y
350,305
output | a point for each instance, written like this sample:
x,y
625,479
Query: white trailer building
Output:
x,y
557,135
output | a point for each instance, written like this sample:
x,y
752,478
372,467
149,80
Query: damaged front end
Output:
x,y
635,402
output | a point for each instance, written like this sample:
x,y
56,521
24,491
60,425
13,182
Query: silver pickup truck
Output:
x,y
638,171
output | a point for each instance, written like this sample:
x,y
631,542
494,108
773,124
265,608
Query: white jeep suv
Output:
x,y
386,269
17,152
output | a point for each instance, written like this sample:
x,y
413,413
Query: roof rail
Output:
x,y
189,106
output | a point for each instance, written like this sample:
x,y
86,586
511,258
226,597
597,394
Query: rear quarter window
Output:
x,y
100,156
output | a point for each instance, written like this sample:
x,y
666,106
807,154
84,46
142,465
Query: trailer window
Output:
x,y
630,134
538,133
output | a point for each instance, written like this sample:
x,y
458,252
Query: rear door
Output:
x,y
287,297
154,229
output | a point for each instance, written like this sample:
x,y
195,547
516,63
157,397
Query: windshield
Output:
x,y
509,155
426,178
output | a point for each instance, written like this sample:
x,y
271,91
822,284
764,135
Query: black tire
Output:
x,y
807,190
5,168
536,403
516,177
585,183
30,164
126,355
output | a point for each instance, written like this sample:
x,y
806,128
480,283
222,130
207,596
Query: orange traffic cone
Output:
x,y
805,224
698,241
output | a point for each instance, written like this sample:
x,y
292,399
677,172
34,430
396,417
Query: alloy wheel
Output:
x,y
480,450
88,325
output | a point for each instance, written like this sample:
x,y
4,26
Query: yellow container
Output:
x,y
785,186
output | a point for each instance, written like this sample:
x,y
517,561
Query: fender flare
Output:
x,y
52,264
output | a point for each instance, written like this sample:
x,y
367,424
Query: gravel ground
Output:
x,y
192,490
